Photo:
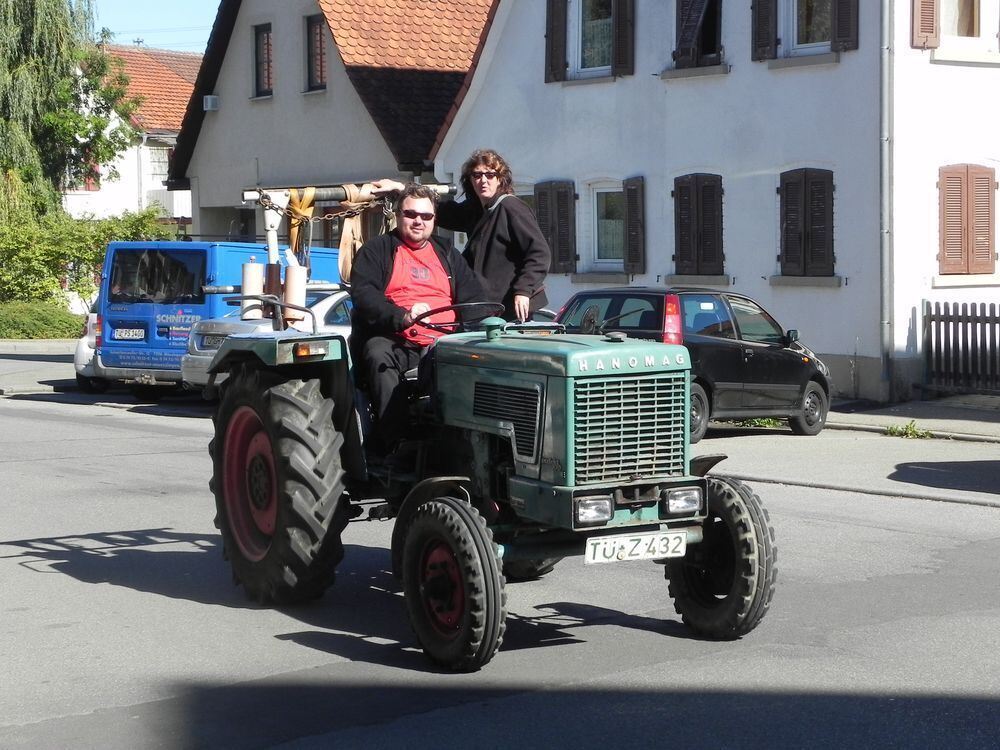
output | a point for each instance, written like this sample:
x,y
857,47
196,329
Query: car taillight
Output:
x,y
97,331
672,332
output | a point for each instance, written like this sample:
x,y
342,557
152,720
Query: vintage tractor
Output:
x,y
530,446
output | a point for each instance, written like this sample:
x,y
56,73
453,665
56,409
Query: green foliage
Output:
x,y
42,260
38,320
909,430
63,103
757,422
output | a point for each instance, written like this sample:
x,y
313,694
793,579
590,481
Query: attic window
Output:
x,y
315,53
263,74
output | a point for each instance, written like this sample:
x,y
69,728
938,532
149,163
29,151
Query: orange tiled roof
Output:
x,y
163,80
407,60
422,34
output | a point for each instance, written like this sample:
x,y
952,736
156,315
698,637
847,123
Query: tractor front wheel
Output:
x,y
278,483
723,586
453,584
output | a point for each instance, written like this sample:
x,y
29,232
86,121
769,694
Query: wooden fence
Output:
x,y
962,347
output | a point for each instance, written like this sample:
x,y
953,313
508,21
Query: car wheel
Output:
x,y
699,412
815,405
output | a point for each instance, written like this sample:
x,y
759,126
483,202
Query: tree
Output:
x,y
64,108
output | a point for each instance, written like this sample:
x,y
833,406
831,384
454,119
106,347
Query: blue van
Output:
x,y
152,294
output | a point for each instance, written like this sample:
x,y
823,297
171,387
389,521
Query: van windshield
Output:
x,y
157,276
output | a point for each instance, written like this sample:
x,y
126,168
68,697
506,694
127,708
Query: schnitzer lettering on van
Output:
x,y
629,363
168,319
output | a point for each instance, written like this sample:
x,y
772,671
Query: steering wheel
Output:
x,y
588,321
491,308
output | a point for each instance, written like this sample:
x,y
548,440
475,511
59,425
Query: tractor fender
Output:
x,y
701,465
422,491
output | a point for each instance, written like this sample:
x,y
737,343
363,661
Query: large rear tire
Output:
x,y
723,587
453,584
278,484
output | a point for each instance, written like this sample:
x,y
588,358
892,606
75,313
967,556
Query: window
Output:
x,y
806,223
340,314
968,219
609,227
802,27
961,28
315,53
263,60
706,315
699,33
589,38
755,324
159,162
698,224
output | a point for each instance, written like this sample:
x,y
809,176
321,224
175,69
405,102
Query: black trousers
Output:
x,y
386,360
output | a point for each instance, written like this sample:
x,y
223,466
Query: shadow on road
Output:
x,y
29,357
172,405
969,476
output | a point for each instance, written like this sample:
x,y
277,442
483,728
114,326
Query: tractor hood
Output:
x,y
560,354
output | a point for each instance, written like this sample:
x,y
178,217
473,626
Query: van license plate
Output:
x,y
653,546
129,334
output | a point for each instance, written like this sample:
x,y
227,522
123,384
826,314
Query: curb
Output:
x,y
933,497
933,434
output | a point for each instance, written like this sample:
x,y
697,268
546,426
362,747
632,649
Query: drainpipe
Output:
x,y
887,337
138,164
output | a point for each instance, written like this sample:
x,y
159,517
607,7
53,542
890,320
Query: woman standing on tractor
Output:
x,y
505,248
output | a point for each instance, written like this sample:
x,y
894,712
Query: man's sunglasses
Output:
x,y
411,214
487,175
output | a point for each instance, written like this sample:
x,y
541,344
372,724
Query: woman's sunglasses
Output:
x,y
487,175
411,214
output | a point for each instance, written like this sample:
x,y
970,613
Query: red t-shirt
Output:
x,y
419,276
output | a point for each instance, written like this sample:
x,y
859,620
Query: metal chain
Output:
x,y
268,205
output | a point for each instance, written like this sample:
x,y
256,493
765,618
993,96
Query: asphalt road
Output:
x,y
121,627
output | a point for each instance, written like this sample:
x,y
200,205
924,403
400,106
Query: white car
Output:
x,y
88,379
333,315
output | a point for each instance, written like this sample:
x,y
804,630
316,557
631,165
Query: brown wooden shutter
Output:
x,y
555,209
685,225
982,248
845,25
819,231
952,188
556,21
623,38
690,15
710,260
635,224
925,24
764,23
792,222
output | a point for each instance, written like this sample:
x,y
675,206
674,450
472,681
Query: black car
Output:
x,y
743,364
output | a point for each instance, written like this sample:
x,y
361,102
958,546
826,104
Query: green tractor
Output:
x,y
530,446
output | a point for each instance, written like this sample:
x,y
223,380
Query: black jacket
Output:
x,y
373,314
506,248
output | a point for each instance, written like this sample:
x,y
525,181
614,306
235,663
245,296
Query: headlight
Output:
x,y
591,511
685,500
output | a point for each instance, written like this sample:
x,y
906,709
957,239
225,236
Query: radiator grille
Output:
x,y
519,406
629,427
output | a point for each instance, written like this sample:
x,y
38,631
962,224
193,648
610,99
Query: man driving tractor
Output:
x,y
397,278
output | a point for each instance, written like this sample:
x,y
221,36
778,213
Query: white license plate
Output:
x,y
212,342
129,334
652,546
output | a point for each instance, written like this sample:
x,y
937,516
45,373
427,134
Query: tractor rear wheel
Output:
x,y
278,484
723,586
453,584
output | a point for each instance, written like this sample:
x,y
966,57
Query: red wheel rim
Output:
x,y
249,484
441,588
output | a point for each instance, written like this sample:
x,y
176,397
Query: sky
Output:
x,y
182,25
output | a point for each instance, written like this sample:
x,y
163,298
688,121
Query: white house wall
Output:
x,y
291,138
748,126
945,112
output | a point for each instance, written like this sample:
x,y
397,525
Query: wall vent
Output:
x,y
210,103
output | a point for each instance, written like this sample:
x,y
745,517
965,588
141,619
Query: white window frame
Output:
x,y
982,48
589,259
788,27
574,44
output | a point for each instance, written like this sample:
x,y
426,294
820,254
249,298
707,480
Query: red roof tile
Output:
x,y
163,80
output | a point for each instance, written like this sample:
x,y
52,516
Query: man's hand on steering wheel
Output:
x,y
486,310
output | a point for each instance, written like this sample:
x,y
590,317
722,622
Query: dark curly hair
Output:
x,y
493,162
